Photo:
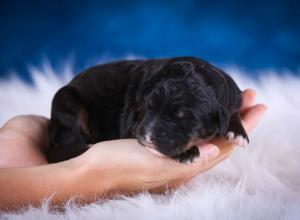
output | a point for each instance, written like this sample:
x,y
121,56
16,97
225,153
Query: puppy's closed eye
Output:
x,y
183,114
179,114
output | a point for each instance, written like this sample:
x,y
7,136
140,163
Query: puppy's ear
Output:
x,y
223,120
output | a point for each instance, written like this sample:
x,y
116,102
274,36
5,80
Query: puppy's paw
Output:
x,y
237,139
188,156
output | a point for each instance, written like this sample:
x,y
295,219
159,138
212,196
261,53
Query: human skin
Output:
x,y
106,169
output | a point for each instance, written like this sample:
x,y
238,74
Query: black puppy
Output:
x,y
167,104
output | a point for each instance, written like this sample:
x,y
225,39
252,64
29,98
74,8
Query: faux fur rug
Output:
x,y
261,182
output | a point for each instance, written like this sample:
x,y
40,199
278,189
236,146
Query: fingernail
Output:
x,y
211,151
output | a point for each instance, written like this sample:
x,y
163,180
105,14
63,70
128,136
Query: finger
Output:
x,y
251,117
248,99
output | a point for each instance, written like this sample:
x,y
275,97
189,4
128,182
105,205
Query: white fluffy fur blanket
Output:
x,y
261,182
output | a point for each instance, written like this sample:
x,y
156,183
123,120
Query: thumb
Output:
x,y
208,153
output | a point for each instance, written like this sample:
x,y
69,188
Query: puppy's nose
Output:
x,y
149,137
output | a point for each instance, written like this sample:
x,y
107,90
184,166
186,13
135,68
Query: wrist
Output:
x,y
91,179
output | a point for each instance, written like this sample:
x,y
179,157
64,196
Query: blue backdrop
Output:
x,y
254,35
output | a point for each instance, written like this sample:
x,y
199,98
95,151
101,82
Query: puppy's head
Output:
x,y
180,111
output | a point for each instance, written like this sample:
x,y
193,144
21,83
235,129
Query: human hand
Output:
x,y
123,166
107,169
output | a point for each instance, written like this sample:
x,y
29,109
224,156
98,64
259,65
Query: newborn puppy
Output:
x,y
170,105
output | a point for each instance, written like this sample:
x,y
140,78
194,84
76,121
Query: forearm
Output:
x,y
62,181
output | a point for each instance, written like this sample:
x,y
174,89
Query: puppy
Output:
x,y
170,105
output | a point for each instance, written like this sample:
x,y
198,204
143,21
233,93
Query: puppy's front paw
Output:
x,y
237,139
188,156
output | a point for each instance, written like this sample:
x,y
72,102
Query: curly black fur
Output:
x,y
170,104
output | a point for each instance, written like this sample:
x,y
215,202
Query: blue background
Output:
x,y
254,35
